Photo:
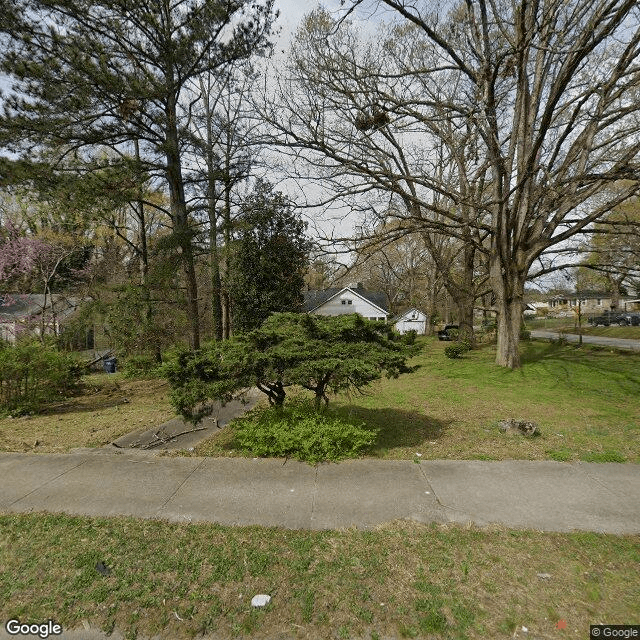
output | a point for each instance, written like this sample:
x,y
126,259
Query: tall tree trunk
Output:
x,y
466,295
216,283
226,298
144,261
508,287
214,252
181,227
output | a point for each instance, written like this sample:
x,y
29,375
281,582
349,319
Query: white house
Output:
x,y
28,313
412,320
340,301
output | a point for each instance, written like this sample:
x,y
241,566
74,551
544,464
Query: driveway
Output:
x,y
616,343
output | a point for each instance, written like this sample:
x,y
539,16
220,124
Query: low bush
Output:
x,y
298,431
525,334
457,349
142,366
33,375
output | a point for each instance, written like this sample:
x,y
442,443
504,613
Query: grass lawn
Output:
x,y
108,407
403,580
586,402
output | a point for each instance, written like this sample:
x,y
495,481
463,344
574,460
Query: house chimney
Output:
x,y
356,285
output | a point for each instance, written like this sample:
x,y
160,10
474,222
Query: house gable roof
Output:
x,y
406,315
315,299
17,306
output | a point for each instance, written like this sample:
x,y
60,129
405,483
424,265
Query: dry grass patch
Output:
x,y
108,407
401,580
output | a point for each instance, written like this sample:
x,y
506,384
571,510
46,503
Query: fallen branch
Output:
x,y
158,440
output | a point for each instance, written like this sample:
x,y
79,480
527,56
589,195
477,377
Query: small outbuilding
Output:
x,y
412,320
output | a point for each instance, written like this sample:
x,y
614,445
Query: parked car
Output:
x,y
605,320
625,319
444,333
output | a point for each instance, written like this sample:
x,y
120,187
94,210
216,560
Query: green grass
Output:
x,y
585,401
401,580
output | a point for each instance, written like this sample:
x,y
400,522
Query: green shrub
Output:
x,y
33,375
298,431
457,349
141,366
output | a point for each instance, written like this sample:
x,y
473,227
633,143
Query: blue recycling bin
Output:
x,y
109,365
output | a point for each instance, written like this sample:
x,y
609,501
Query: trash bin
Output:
x,y
109,365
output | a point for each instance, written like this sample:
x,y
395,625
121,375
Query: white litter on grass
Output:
x,y
261,600
419,455
428,492
291,490
525,629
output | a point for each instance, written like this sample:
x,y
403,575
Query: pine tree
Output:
x,y
114,72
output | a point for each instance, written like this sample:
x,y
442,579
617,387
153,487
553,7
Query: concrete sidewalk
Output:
x,y
550,496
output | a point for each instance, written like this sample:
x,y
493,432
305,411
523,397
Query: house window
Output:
x,y
372,319
599,302
347,301
380,318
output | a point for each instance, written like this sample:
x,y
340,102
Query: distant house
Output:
x,y
530,309
590,302
412,320
352,299
28,313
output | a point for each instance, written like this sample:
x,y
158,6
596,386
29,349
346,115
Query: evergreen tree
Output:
x,y
322,354
269,260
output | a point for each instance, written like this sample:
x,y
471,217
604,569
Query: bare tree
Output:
x,y
498,124
222,135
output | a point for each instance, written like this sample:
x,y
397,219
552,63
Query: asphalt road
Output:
x,y
617,343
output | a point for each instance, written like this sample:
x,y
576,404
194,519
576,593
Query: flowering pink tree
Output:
x,y
18,255
38,259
